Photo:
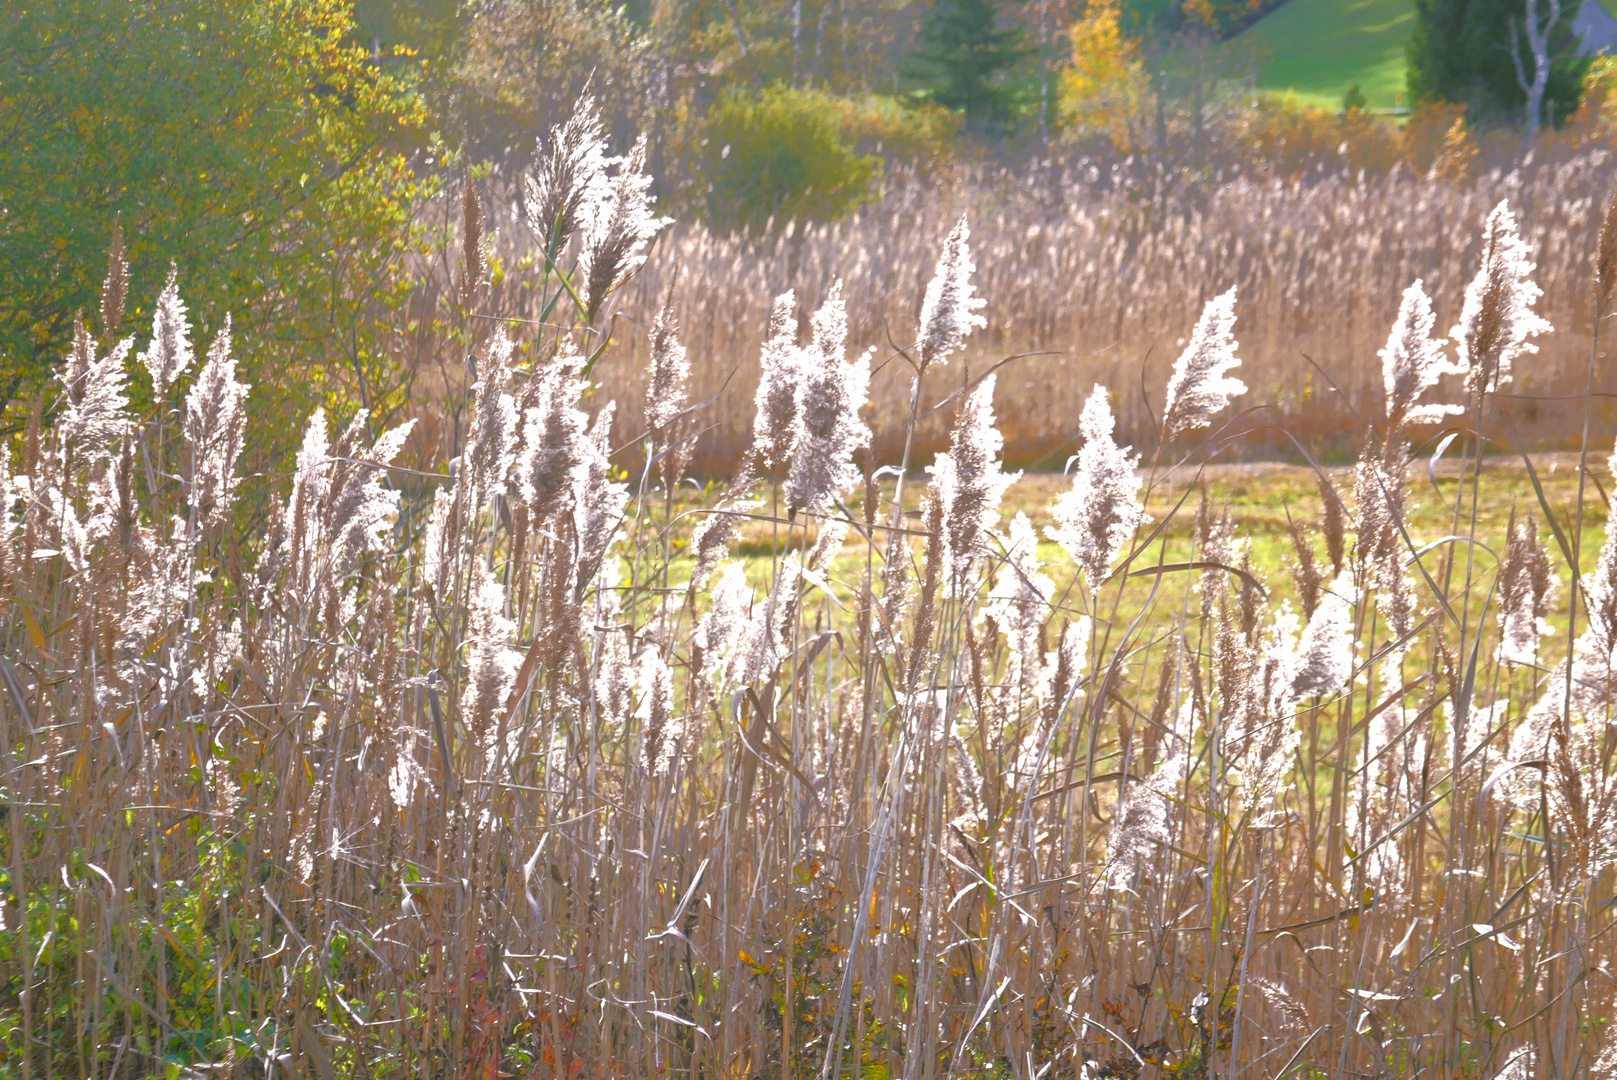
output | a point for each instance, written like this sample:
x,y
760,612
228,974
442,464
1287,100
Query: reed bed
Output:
x,y
1096,275
514,761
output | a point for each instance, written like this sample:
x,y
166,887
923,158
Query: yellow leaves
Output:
x,y
34,633
1101,87
1201,11
757,968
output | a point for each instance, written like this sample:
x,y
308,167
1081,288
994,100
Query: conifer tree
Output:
x,y
962,60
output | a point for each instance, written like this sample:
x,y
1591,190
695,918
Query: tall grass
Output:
x,y
1099,274
539,771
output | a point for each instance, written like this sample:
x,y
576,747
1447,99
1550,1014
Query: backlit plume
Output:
x,y
1498,316
169,353
969,478
1097,516
670,371
949,310
1526,592
780,368
97,395
1201,386
215,418
568,177
617,229
1413,361
1325,654
491,663
826,430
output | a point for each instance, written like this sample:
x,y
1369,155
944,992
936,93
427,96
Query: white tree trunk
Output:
x,y
1538,43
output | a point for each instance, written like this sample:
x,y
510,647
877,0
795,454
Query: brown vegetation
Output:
x,y
527,775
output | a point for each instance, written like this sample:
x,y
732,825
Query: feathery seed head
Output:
x,y
1379,493
1142,823
725,624
1305,569
670,371
1332,521
169,353
1325,654
568,177
660,731
1498,315
949,310
759,648
1526,592
337,514
1269,743
94,419
492,442
1201,385
552,451
215,419
713,535
826,429
617,230
598,500
780,369
1412,361
1099,513
491,663
969,478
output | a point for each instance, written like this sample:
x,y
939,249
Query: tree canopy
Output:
x,y
245,141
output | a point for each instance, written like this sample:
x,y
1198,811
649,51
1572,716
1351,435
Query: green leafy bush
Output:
x,y
786,154
247,141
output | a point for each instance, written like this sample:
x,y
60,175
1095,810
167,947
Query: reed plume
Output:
x,y
568,180
1412,363
1201,386
1498,318
215,421
949,310
168,354
617,229
1099,513
826,428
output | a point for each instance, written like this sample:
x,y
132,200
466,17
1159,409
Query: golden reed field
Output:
x,y
520,755
1094,275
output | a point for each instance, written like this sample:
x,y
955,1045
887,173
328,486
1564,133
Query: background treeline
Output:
x,y
300,161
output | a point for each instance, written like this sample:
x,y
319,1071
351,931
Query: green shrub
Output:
x,y
248,142
786,154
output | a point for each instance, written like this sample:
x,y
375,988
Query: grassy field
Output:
x,y
1316,49
1259,500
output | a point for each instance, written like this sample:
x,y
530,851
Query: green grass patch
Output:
x,y
1316,49
1258,499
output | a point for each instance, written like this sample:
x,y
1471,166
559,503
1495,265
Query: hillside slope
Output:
x,y
1318,48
